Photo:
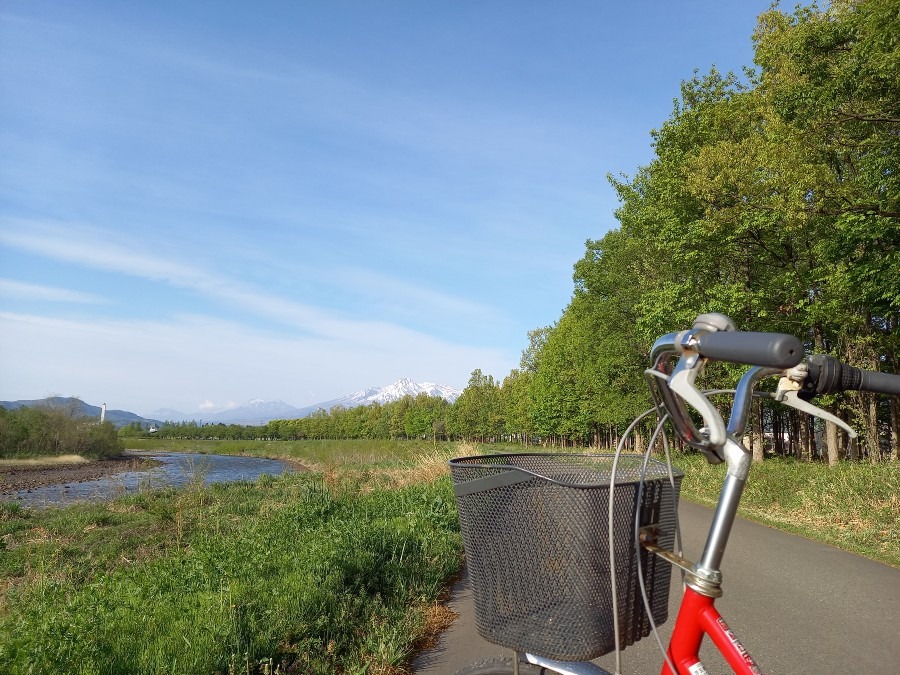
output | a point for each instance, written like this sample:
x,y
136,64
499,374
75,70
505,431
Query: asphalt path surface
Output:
x,y
797,605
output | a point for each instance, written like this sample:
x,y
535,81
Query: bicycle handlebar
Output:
x,y
827,375
770,350
714,337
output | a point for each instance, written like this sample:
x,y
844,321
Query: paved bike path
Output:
x,y
798,606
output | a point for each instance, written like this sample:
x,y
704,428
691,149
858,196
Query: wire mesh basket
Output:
x,y
535,529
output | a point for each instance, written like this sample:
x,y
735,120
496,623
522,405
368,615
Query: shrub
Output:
x,y
34,432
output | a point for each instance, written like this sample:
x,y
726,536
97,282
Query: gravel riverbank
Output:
x,y
17,477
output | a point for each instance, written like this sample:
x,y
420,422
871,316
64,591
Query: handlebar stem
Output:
x,y
738,461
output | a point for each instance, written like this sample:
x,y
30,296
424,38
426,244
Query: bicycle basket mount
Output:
x,y
535,529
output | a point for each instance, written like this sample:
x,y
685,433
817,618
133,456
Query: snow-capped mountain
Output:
x,y
393,392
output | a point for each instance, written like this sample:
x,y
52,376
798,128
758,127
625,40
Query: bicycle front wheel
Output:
x,y
502,667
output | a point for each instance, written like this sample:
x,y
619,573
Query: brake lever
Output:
x,y
787,393
682,383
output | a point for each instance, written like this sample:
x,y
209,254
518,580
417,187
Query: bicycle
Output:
x,y
550,586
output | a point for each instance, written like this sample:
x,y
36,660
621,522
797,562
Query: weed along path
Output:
x,y
798,605
65,484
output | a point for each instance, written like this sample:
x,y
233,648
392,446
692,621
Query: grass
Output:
x,y
853,506
311,573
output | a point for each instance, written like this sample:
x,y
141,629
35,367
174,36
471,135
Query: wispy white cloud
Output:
x,y
92,248
396,168
20,290
326,103
386,289
431,121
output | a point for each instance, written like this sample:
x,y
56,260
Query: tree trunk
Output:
x,y
831,440
757,440
895,428
796,439
867,416
871,418
777,436
804,451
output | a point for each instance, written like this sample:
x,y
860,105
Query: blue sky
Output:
x,y
206,202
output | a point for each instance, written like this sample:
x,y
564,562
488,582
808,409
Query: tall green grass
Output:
x,y
300,573
324,572
854,506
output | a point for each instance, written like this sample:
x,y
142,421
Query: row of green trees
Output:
x,y
47,431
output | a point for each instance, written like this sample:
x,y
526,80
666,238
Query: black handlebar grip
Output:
x,y
828,375
880,383
772,350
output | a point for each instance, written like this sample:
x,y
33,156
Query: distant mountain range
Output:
x,y
253,412
256,411
392,392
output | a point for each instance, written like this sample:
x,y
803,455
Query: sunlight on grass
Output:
x,y
333,570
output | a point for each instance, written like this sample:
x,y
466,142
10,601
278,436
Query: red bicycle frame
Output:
x,y
698,617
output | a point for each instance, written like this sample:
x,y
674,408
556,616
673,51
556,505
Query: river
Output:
x,y
174,470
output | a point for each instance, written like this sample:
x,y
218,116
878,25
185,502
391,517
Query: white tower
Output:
x,y
102,413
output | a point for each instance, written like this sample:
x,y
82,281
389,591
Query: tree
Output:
x,y
477,412
516,405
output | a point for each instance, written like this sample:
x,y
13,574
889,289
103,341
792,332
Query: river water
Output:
x,y
175,470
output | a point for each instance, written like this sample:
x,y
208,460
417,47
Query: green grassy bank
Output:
x,y
304,573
